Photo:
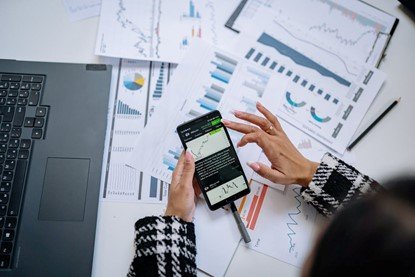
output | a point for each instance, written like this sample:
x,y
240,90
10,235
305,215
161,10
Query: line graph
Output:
x,y
292,216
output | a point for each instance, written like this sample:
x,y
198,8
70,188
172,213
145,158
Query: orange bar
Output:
x,y
251,209
259,206
241,206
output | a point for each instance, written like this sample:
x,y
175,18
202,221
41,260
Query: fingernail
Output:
x,y
236,113
189,156
253,165
226,122
258,104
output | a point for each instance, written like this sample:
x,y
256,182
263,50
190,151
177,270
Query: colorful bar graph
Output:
x,y
171,158
192,13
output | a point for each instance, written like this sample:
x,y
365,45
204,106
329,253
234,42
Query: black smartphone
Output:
x,y
218,169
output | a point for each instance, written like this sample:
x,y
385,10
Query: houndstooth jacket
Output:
x,y
166,246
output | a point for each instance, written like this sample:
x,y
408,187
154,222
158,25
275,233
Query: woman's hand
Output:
x,y
288,165
182,195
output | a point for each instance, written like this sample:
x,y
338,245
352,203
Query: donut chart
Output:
x,y
133,81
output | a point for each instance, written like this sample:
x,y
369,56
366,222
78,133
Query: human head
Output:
x,y
373,236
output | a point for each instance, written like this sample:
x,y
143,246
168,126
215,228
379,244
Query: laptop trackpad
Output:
x,y
64,189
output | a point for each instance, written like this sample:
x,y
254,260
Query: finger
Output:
x,y
188,170
178,170
196,187
269,115
240,127
261,122
257,137
267,172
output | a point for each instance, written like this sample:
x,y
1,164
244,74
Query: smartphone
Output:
x,y
218,169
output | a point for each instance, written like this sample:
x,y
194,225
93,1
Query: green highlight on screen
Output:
x,y
215,131
215,122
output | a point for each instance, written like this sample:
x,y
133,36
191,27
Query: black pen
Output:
x,y
240,224
373,124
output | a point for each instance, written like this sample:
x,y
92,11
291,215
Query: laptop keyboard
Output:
x,y
22,121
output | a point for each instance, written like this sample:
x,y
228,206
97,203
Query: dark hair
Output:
x,y
374,236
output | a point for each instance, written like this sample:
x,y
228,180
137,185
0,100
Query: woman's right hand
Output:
x,y
288,165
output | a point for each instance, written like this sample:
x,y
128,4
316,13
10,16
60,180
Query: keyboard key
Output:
x,y
29,121
19,116
13,93
36,86
2,101
5,186
39,122
3,209
9,164
2,219
7,176
40,111
14,143
3,147
14,85
33,79
4,84
25,86
6,247
5,127
10,223
4,198
25,143
8,114
11,154
4,261
36,133
34,98
2,158
16,194
16,132
4,137
23,94
11,78
8,235
23,154
21,102
11,101
3,92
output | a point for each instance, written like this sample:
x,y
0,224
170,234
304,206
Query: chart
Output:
x,y
208,144
136,30
219,82
352,29
325,97
280,224
139,87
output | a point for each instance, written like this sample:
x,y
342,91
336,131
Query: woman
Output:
x,y
165,245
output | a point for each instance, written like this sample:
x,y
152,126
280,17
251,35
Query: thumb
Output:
x,y
266,172
188,169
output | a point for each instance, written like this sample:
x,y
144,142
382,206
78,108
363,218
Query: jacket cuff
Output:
x,y
336,183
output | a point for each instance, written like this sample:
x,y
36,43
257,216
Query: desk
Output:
x,y
41,31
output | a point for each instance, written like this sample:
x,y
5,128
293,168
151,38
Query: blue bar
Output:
x,y
304,83
265,61
296,78
335,101
258,56
249,54
175,154
281,69
211,94
153,187
312,87
224,66
289,73
327,97
219,76
320,91
208,104
273,65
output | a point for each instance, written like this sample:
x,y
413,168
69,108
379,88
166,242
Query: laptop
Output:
x,y
52,133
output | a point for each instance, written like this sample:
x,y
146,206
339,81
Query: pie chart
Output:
x,y
133,81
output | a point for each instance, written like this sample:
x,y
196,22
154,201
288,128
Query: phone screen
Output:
x,y
218,169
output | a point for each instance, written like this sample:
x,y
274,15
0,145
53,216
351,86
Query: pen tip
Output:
x,y
399,99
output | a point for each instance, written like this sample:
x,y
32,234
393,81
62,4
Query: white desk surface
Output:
x,y
41,31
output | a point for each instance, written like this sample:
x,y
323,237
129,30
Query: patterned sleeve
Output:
x,y
164,246
336,183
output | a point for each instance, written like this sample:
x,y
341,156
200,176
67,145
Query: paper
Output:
x,y
217,239
218,80
82,9
326,97
352,29
160,30
280,224
138,87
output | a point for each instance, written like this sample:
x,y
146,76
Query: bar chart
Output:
x,y
224,68
158,91
124,109
258,81
171,158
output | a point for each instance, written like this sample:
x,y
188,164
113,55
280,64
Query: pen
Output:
x,y
373,124
240,224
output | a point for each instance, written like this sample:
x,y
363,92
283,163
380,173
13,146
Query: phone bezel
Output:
x,y
233,197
